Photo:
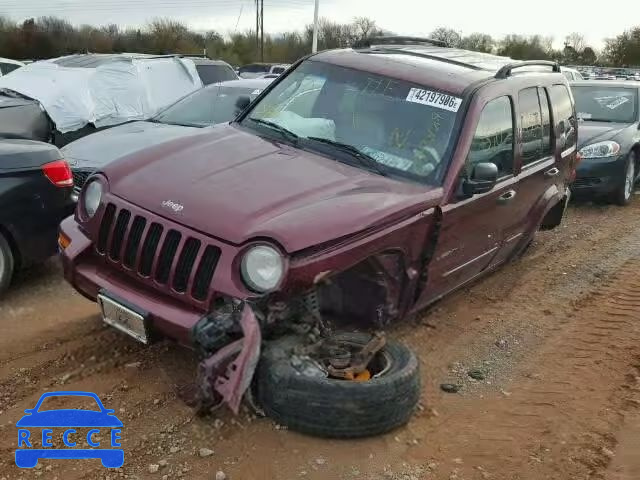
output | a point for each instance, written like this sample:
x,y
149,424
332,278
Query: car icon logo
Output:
x,y
63,423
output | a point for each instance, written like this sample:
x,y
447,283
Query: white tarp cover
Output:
x,y
122,90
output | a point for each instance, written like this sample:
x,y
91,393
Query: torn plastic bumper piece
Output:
x,y
225,376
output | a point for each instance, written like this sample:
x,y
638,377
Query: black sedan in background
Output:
x,y
204,108
608,139
35,196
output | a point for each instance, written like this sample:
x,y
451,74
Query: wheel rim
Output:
x,y
628,180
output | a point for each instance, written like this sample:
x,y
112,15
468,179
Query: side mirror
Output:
x,y
243,102
483,178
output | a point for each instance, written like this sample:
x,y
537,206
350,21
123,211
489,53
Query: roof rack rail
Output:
x,y
506,70
398,40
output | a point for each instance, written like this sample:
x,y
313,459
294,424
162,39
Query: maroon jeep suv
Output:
x,y
361,186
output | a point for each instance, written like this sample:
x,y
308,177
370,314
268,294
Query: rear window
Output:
x,y
215,73
254,68
606,104
402,126
208,106
7,67
277,70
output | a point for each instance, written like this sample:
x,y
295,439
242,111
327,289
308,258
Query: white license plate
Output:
x,y
123,318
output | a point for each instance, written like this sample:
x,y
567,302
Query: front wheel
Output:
x,y
299,395
622,196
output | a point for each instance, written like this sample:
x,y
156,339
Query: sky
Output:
x,y
553,18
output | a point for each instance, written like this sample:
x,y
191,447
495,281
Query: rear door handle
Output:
x,y
552,172
506,196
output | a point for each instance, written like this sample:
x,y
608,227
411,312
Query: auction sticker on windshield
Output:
x,y
434,99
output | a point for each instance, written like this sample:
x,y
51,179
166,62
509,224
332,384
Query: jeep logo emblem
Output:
x,y
176,207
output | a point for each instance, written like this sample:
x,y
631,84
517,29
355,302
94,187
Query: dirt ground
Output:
x,y
557,334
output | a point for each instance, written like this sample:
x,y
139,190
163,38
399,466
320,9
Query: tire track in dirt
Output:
x,y
561,421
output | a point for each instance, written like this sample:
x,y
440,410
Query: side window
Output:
x,y
564,117
493,140
547,147
569,75
278,70
531,125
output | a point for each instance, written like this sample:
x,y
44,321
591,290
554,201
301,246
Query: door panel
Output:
x,y
471,229
470,237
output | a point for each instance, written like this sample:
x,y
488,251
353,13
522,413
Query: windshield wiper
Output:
x,y
364,159
277,127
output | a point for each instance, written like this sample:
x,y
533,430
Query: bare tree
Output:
x,y
576,41
447,35
478,42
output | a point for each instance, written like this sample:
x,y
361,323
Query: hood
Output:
x,y
236,186
97,150
592,132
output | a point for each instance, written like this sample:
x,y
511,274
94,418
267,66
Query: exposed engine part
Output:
x,y
338,359
218,328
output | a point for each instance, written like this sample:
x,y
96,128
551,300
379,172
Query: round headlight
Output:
x,y
91,198
262,268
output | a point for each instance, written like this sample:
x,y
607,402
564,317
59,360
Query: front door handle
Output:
x,y
506,196
552,172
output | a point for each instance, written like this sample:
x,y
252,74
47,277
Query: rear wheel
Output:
x,y
622,196
7,264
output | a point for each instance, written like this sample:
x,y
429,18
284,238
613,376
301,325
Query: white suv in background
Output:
x,y
259,70
571,74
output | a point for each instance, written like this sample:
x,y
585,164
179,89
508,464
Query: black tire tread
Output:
x,y
339,409
5,250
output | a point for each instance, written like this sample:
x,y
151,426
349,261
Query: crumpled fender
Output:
x,y
231,378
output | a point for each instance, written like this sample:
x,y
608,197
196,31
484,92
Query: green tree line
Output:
x,y
48,37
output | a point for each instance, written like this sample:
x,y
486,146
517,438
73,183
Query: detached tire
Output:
x,y
7,264
329,407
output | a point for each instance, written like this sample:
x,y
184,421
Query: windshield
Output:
x,y
606,104
405,128
211,105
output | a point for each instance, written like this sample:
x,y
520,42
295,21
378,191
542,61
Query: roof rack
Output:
x,y
398,40
505,71
451,61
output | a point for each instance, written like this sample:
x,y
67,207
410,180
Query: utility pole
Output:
x,y
314,47
262,30
257,24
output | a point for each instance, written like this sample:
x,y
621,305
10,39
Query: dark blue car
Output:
x,y
68,419
608,139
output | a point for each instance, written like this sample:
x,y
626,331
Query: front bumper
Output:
x,y
89,275
226,373
599,176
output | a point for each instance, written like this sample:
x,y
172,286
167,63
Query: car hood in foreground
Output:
x,y
592,132
237,186
103,147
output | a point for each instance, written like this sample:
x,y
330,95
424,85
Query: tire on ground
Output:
x,y
338,408
6,264
620,196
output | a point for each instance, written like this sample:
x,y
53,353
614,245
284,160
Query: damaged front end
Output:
x,y
369,295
